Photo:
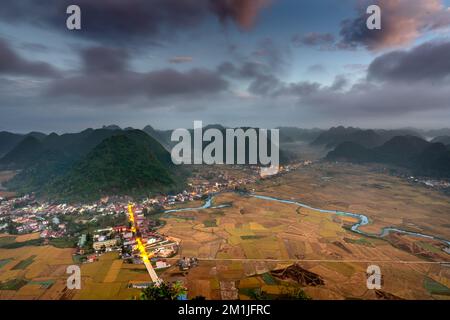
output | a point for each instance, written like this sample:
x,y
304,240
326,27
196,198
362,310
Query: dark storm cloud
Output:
x,y
261,77
110,20
379,100
263,80
429,61
299,89
262,69
155,84
402,22
138,21
105,74
277,57
406,82
387,96
264,85
104,59
195,81
11,63
100,85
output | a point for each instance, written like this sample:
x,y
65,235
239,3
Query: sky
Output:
x,y
264,63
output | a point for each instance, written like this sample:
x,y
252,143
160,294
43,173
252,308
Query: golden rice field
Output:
x,y
253,230
241,245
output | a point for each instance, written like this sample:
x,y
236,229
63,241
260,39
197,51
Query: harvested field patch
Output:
x,y
252,237
4,262
44,284
113,271
268,279
27,237
210,223
435,287
298,274
13,284
5,240
360,241
22,265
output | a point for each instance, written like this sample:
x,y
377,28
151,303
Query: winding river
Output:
x,y
206,205
362,219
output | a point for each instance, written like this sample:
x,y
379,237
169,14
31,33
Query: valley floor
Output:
x,y
257,247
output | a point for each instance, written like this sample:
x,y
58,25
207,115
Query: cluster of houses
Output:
x,y
187,263
431,183
8,205
124,241
438,184
170,200
29,215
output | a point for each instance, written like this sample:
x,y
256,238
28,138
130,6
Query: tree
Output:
x,y
12,227
294,294
297,294
258,294
163,291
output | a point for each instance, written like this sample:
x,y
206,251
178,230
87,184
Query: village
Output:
x,y
102,226
27,214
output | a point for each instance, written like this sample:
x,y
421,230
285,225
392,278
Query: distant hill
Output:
x,y
337,135
293,134
28,150
10,140
77,144
366,138
60,153
71,146
112,127
284,156
352,152
435,132
401,150
129,163
389,134
72,158
162,136
421,157
442,139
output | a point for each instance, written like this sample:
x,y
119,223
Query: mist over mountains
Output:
x,y
420,156
112,160
368,138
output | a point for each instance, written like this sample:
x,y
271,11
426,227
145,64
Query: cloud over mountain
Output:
x,y
105,73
